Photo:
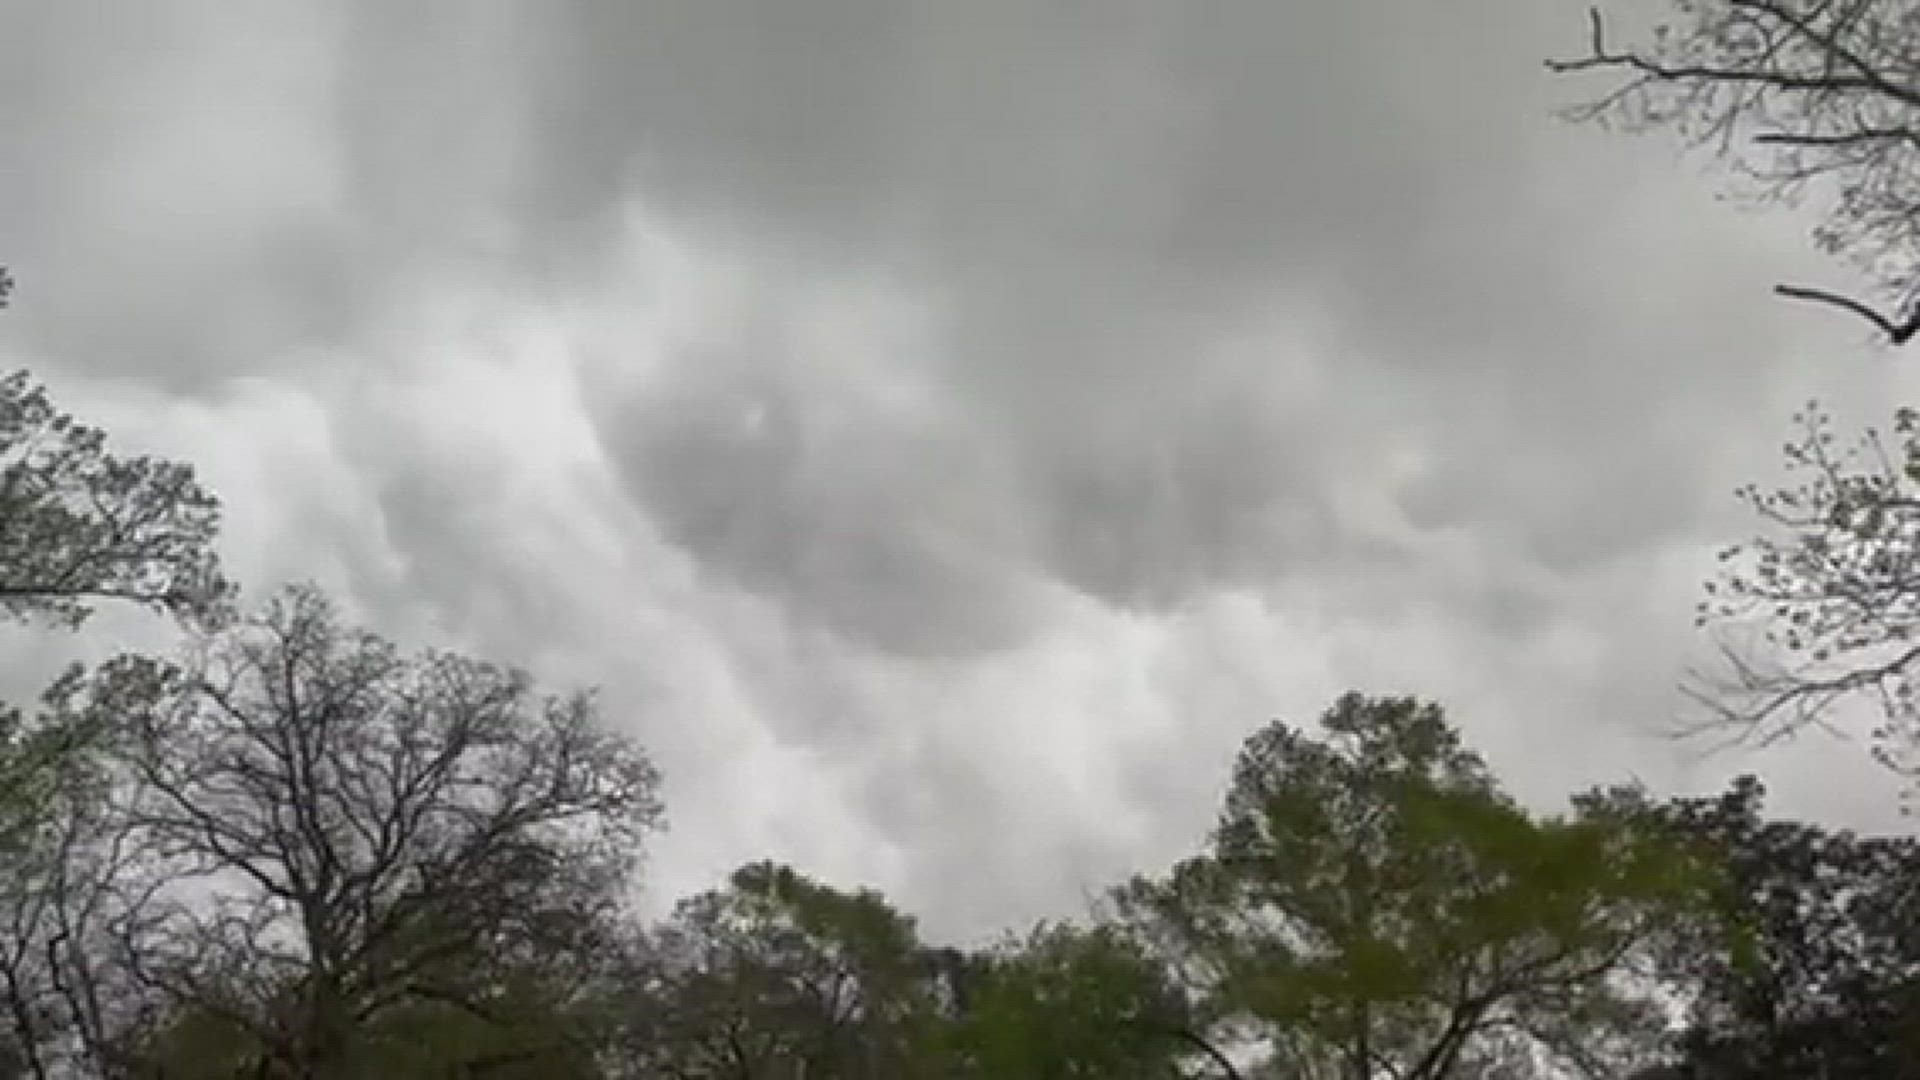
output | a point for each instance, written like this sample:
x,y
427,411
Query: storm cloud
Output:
x,y
943,430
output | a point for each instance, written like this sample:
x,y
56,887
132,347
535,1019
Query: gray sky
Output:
x,y
943,430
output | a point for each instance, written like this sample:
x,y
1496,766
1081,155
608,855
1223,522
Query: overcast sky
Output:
x,y
944,430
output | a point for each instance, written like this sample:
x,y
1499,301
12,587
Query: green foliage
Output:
x,y
1067,1001
1825,979
79,524
523,1028
199,1042
1374,902
779,975
521,1032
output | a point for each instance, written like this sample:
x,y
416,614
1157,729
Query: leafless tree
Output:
x,y
1798,97
1826,610
353,832
1818,620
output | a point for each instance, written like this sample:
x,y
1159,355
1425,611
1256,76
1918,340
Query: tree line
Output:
x,y
290,849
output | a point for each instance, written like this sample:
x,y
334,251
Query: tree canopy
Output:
x,y
80,524
378,832
1371,903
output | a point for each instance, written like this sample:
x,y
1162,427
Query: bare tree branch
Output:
x,y
368,824
1898,334
1821,90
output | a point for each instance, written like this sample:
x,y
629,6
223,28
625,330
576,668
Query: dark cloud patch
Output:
x,y
876,517
1099,201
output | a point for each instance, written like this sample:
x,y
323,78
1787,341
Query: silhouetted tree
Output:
x,y
79,525
1822,981
1078,1001
1824,613
353,835
779,976
1795,96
